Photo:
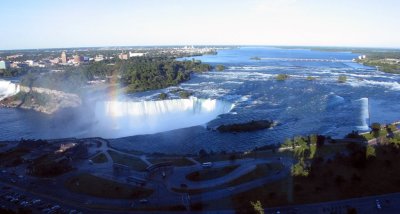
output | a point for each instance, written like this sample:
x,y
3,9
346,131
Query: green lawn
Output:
x,y
99,187
369,136
134,163
212,173
261,170
100,158
179,161
217,157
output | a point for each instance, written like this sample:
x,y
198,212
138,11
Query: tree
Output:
x,y
162,96
342,79
282,77
184,94
370,153
219,67
257,206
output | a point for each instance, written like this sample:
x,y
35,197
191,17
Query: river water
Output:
x,y
300,106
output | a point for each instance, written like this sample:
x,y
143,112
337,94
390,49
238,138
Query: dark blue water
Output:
x,y
300,106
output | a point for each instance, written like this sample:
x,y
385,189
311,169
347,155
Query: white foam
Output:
x,y
389,85
125,118
7,88
364,114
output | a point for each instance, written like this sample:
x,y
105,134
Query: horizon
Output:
x,y
200,45
358,24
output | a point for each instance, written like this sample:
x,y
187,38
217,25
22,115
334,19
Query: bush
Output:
x,y
184,94
311,78
342,79
162,96
219,67
282,77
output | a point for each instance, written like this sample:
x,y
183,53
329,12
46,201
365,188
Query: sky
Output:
x,y
93,23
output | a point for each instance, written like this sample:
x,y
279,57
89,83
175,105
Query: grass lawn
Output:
x,y
368,136
179,161
100,158
216,158
212,173
261,170
134,163
99,187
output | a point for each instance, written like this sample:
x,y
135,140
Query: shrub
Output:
x,y
219,67
342,79
163,96
282,77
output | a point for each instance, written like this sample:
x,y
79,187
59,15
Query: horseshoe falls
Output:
x,y
124,118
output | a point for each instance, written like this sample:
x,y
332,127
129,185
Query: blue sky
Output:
x,y
78,23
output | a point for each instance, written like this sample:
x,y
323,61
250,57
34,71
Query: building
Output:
x,y
99,58
123,56
78,59
63,57
135,54
4,64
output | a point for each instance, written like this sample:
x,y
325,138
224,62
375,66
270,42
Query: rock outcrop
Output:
x,y
42,99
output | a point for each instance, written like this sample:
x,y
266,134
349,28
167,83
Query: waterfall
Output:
x,y
147,117
7,88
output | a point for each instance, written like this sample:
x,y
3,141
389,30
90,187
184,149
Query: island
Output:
x,y
253,125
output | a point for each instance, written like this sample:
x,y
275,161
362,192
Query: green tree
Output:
x,y
370,153
282,77
219,67
342,79
257,206
162,96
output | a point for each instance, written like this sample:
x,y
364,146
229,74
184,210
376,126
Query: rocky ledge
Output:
x,y
42,100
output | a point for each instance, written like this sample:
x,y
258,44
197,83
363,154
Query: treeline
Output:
x,y
145,73
136,74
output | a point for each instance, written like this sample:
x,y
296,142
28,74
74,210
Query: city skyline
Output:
x,y
48,24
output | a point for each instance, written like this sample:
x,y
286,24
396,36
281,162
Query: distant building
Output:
x,y
78,59
99,58
55,60
123,56
14,56
4,64
135,54
29,62
63,57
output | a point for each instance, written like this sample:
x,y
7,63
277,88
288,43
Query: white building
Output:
x,y
131,54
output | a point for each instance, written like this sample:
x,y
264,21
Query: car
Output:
x,y
207,164
378,204
36,201
55,207
144,201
